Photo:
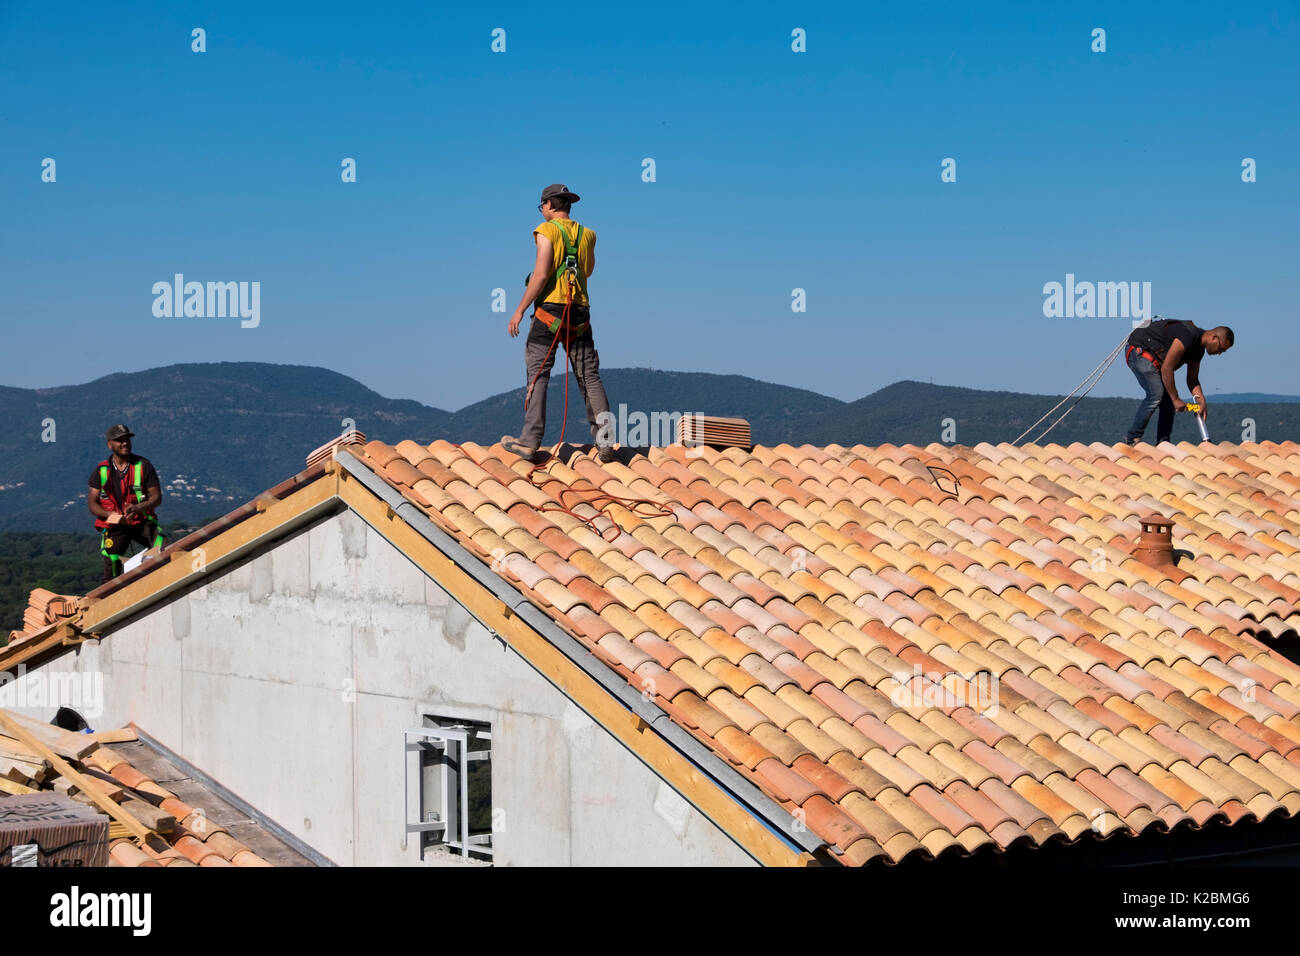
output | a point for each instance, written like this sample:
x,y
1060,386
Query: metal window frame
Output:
x,y
454,822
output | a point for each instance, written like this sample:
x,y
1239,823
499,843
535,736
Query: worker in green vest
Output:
x,y
123,492
566,258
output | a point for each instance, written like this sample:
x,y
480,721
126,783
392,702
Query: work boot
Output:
x,y
529,454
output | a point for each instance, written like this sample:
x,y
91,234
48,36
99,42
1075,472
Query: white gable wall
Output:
x,y
290,678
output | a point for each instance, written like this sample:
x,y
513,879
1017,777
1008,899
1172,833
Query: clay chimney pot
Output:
x,y
1155,545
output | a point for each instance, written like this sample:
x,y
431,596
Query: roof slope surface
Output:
x,y
201,829
914,666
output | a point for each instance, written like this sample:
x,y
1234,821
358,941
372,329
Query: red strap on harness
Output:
x,y
1155,362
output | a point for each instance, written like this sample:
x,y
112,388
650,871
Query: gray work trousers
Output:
x,y
586,369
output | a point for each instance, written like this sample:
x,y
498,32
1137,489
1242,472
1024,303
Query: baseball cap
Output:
x,y
118,431
558,191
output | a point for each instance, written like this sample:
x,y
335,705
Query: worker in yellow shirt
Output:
x,y
566,258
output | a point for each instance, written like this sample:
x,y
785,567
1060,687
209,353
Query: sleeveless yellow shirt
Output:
x,y
555,291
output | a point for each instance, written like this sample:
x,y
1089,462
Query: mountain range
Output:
x,y
219,433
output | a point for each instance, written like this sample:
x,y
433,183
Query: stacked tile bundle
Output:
x,y
44,608
180,835
326,451
914,672
711,430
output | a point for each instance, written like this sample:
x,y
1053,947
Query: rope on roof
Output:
x,y
1091,382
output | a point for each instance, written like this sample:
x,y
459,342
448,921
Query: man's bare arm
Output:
x,y
541,273
153,498
1194,384
1175,353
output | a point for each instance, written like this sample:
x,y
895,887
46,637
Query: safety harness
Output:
x,y
136,493
569,269
1144,353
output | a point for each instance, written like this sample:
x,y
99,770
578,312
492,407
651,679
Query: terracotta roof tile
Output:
x,y
825,613
185,837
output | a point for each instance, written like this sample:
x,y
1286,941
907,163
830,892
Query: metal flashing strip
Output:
x,y
243,806
761,807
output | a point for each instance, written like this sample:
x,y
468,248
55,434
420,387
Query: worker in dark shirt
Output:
x,y
123,492
1154,352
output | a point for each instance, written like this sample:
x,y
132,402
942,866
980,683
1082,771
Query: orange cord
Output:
x,y
661,510
630,503
568,342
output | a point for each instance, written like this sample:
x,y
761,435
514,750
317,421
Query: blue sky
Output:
x,y
775,170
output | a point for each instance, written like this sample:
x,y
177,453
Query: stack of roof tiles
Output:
x,y
826,618
711,430
326,451
44,608
195,840
185,837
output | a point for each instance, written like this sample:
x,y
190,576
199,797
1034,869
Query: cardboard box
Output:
x,y
49,829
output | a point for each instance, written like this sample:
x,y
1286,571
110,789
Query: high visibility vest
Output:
x,y
136,493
